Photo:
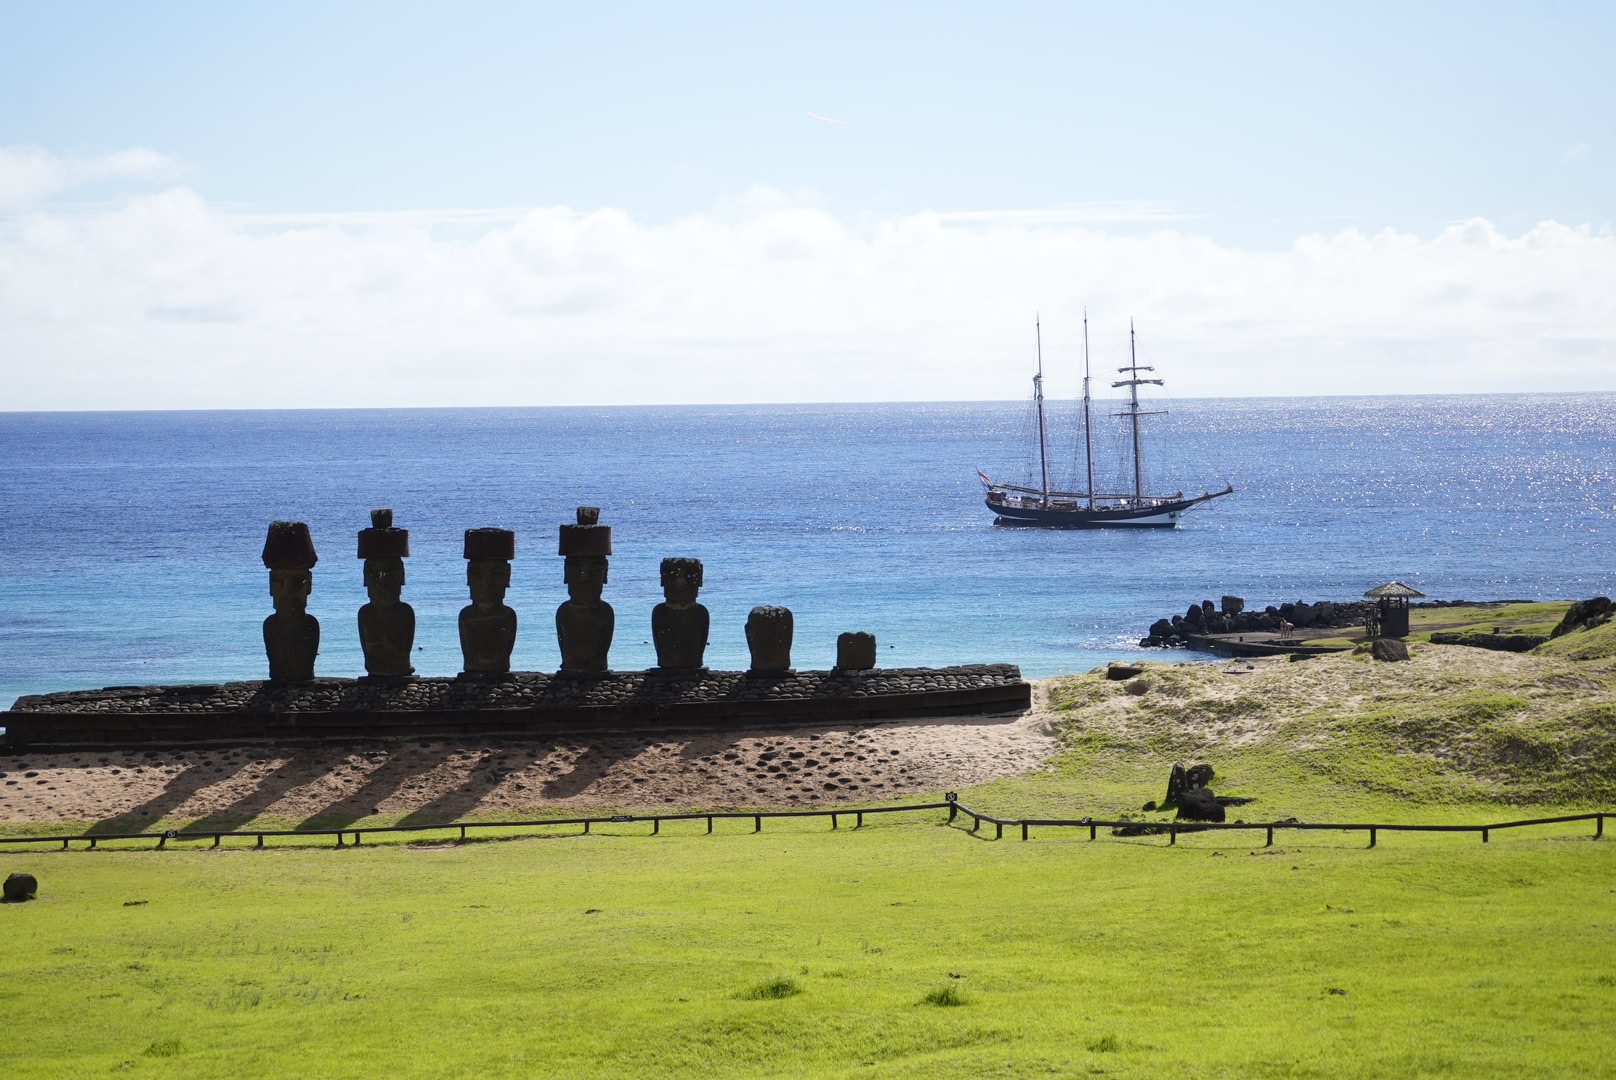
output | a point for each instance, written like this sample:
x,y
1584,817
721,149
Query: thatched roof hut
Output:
x,y
1395,590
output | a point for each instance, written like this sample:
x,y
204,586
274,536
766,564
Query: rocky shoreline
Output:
x,y
1231,616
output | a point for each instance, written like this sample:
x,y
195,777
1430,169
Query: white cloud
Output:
x,y
30,173
170,301
1578,151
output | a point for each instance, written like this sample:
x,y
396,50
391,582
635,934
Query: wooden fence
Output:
x,y
954,807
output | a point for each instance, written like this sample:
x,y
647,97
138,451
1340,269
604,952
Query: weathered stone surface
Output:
x,y
1585,615
585,623
679,625
855,651
19,887
487,626
1198,775
768,636
386,624
1388,649
1497,642
1233,605
291,635
1120,672
1199,804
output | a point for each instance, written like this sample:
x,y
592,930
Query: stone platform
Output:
x,y
524,703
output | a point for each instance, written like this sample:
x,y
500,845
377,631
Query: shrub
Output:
x,y
781,986
945,995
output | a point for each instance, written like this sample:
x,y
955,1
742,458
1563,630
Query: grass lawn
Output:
x,y
911,948
803,952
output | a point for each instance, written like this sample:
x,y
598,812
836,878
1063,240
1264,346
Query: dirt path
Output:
x,y
443,779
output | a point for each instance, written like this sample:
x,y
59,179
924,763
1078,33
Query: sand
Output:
x,y
443,779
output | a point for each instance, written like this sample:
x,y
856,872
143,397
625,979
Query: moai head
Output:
x,y
488,568
768,636
855,651
681,581
384,550
585,546
289,556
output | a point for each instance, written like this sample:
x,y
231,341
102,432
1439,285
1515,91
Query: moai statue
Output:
x,y
584,624
291,635
386,624
679,625
487,626
768,635
855,651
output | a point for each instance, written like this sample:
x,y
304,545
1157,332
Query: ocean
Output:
x,y
129,541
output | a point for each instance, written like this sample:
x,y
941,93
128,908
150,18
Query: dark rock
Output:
x,y
679,625
1119,672
1302,615
1198,775
1585,615
1233,605
1177,785
1161,628
855,651
1497,642
1195,616
291,635
19,887
585,623
1389,649
1199,804
769,631
487,626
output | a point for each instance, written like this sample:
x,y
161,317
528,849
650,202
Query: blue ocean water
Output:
x,y
129,542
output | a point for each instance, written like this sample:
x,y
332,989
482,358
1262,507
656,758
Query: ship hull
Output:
x,y
1162,516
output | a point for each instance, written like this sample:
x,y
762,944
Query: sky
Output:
x,y
394,204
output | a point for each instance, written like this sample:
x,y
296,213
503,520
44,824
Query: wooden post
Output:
x,y
833,822
260,839
1172,834
216,839
92,841
586,827
860,823
952,811
162,840
1599,826
64,845
1372,831
462,832
656,826
757,823
1092,831
1024,830
1484,836
709,823
999,835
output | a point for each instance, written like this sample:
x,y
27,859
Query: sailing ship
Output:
x,y
1045,508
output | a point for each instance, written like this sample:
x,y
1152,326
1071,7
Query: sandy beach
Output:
x,y
440,779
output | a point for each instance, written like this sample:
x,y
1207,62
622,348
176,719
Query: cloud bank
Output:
x,y
167,300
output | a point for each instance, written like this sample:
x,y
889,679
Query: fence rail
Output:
x,y
952,804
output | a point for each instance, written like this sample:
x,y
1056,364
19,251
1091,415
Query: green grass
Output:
x,y
911,948
806,952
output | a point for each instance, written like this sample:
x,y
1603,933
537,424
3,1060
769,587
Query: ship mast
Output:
x,y
1038,397
1133,414
1088,437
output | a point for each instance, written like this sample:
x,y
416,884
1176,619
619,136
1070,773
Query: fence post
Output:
x,y
757,823
952,811
586,826
1092,830
356,838
999,835
976,823
1483,836
709,823
1372,831
64,845
833,822
1172,834
92,841
462,832
1599,826
260,839
860,823
656,826
1024,830
161,840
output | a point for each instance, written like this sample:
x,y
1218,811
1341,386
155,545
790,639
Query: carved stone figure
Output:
x,y
768,636
585,623
487,626
855,651
679,625
386,624
291,635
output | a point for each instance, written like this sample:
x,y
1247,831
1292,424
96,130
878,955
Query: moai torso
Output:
x,y
291,635
679,625
487,626
584,624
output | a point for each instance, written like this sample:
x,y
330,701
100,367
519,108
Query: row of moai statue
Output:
x,y
584,623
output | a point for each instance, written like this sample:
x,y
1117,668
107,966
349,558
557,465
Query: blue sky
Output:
x,y
1244,127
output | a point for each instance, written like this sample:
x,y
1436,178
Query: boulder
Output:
x,y
1389,649
1161,628
1199,804
1119,672
1584,615
1195,616
1198,775
20,887
1303,615
1233,605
